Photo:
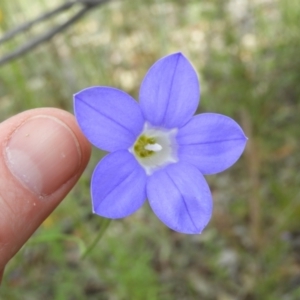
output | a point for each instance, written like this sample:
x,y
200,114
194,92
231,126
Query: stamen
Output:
x,y
153,147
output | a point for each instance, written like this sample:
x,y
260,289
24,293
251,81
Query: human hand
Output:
x,y
42,155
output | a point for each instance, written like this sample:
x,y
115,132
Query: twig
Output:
x,y
88,4
10,34
253,162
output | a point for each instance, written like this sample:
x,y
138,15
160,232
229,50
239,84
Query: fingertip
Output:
x,y
46,151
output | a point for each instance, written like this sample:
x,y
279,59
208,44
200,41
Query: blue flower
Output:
x,y
158,150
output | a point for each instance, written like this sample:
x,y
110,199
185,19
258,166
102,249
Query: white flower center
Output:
x,y
155,148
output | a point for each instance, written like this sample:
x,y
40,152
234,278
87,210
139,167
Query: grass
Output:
x,y
249,66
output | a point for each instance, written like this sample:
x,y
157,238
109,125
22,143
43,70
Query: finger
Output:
x,y
1,275
42,155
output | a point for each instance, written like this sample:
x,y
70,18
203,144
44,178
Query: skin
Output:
x,y
22,208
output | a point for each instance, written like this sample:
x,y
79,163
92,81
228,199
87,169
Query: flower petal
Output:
x,y
180,197
211,142
109,118
118,185
170,92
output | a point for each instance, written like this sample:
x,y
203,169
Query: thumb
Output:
x,y
42,155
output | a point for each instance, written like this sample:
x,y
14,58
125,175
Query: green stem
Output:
x,y
103,226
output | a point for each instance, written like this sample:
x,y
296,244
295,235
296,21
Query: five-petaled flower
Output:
x,y
158,149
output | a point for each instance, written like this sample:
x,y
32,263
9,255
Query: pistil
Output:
x,y
153,147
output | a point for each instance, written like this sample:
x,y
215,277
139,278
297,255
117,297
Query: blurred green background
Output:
x,y
247,54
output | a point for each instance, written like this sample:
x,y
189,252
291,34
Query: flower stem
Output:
x,y
103,226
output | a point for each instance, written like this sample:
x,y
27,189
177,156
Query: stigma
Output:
x,y
153,147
